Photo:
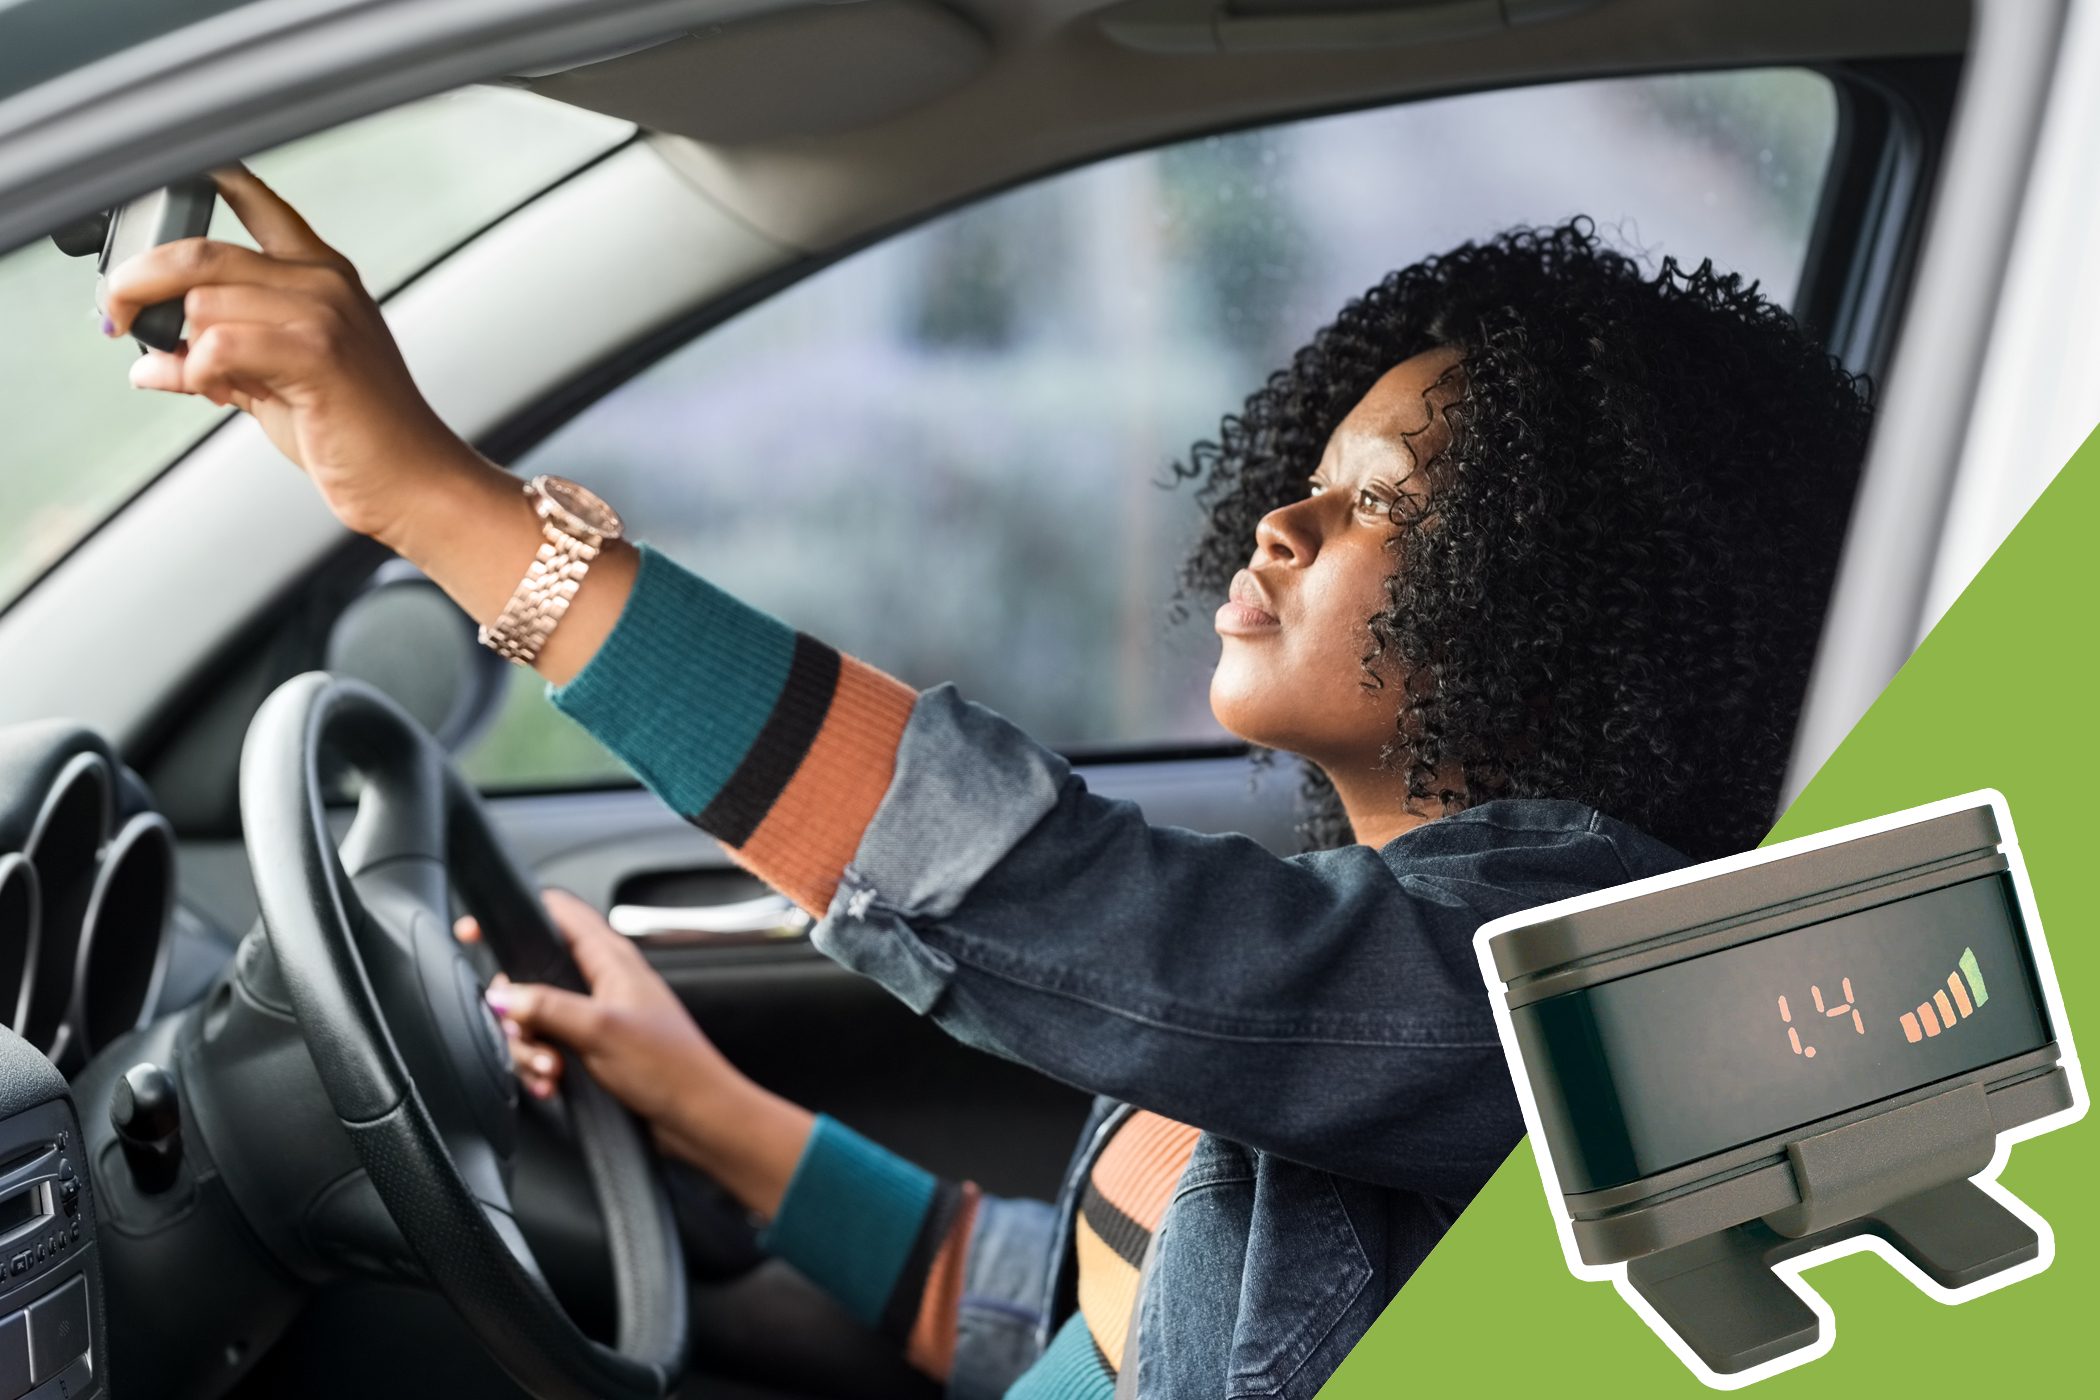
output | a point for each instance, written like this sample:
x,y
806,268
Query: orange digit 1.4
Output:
x,y
1848,1007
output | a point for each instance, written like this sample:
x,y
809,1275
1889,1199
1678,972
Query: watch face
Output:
x,y
576,509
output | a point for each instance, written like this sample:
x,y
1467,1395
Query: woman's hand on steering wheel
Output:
x,y
632,1033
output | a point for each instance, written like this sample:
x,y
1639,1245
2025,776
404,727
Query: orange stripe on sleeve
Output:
x,y
931,1346
814,826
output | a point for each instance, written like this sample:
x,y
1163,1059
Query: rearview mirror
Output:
x,y
405,636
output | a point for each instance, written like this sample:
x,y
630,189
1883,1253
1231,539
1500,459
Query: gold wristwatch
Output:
x,y
577,525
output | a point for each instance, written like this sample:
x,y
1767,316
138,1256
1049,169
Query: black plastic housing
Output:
x,y
1671,1081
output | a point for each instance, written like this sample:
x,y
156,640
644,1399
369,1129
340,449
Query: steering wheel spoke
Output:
x,y
414,1062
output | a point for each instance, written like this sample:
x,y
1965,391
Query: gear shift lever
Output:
x,y
144,1111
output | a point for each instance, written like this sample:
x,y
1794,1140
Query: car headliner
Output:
x,y
826,122
820,123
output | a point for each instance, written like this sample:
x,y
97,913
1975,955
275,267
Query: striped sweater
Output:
x,y
781,748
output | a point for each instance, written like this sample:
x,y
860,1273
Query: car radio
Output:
x,y
50,1285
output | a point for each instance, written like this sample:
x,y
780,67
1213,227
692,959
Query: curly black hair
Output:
x,y
1614,588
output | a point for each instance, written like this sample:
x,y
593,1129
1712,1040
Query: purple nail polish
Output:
x,y
498,999
109,327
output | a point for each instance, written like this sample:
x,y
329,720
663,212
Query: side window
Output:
x,y
392,191
947,454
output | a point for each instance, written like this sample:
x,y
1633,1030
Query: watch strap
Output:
x,y
542,596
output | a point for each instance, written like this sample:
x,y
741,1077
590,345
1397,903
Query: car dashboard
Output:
x,y
87,873
87,882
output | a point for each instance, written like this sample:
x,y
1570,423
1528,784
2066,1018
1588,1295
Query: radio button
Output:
x,y
58,1330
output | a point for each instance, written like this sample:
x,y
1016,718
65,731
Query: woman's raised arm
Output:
x,y
1325,1006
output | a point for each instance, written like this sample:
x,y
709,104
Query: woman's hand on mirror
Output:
x,y
290,336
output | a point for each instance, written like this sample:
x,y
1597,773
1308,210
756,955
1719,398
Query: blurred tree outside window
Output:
x,y
943,454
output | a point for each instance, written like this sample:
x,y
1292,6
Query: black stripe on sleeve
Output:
x,y
1117,1230
901,1309
798,713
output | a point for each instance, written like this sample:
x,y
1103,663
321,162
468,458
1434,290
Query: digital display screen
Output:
x,y
1659,1068
18,1209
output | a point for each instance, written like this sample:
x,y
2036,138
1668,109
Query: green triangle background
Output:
x,y
2000,694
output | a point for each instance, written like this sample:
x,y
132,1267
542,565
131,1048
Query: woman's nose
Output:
x,y
1289,532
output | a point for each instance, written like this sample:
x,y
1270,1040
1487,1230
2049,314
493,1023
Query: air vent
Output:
x,y
65,846
18,933
123,952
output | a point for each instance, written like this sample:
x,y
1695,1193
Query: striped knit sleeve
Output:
x,y
884,1237
776,744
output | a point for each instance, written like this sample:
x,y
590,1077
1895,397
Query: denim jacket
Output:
x,y
1321,1017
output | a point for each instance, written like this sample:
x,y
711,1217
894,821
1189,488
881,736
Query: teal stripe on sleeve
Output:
x,y
850,1217
681,686
1070,1368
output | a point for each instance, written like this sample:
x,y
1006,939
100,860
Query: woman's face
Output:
x,y
1288,676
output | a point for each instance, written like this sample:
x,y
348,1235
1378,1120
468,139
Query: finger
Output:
x,y
229,356
157,369
592,941
220,364
537,1066
278,228
213,302
550,1012
467,929
169,372
535,1060
168,270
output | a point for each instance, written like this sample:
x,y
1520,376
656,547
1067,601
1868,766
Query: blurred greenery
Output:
x,y
944,453
391,191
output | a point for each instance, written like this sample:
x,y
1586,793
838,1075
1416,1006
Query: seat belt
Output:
x,y
1127,1373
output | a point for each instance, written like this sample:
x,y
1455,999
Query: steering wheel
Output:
x,y
414,1062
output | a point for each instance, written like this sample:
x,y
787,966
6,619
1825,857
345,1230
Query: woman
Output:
x,y
1525,556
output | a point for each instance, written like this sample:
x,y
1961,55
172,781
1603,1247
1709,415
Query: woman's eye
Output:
x,y
1367,499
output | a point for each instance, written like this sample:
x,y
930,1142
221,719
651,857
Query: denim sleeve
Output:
x,y
952,1274
1325,1007
1005,1282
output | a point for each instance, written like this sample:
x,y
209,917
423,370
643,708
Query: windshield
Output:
x,y
393,191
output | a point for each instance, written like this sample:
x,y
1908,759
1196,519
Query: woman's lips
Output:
x,y
1237,618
